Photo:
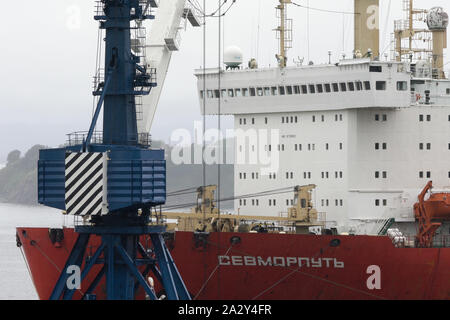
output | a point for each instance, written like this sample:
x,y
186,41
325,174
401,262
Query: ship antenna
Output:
x,y
284,32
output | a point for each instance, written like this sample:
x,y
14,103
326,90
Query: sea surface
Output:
x,y
15,281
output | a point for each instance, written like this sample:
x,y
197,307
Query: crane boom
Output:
x,y
164,39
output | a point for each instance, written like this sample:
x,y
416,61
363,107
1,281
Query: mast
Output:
x,y
405,30
284,32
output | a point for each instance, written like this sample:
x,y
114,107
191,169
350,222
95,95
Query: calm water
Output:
x,y
15,281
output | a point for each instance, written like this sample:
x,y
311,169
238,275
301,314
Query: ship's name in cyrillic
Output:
x,y
280,262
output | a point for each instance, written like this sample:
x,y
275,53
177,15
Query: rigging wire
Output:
x,y
245,196
216,13
323,10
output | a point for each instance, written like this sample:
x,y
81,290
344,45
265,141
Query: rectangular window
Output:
x,y
267,91
304,89
202,94
428,117
231,93
289,89
377,202
381,85
335,87
282,91
367,85
297,89
259,92
384,174
420,146
244,92
384,117
238,93
252,92
377,117
320,88
375,69
421,117
402,85
343,87
384,145
312,89
327,87
421,174
322,118
384,202
377,146
223,93
351,86
359,85
274,91
210,94
377,174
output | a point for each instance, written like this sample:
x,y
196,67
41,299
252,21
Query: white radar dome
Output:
x,y
233,57
437,19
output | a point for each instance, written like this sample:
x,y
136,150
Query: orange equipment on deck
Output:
x,y
437,207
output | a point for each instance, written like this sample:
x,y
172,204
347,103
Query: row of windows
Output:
x,y
290,202
300,89
312,147
297,147
290,119
337,117
326,175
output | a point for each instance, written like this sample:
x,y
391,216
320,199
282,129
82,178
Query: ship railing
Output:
x,y
78,138
439,241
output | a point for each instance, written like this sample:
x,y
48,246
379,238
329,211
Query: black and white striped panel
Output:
x,y
85,173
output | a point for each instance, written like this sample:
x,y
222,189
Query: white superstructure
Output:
x,y
369,134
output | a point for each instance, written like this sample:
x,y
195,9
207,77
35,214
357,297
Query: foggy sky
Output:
x,y
47,60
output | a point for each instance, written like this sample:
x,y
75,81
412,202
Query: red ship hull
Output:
x,y
244,266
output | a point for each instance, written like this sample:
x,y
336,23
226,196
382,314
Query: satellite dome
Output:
x,y
232,57
437,19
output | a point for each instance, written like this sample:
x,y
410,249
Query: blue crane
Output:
x,y
114,180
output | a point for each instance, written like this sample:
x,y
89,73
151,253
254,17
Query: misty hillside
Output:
x,y
18,179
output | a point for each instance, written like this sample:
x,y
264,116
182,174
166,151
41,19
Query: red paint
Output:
x,y
406,273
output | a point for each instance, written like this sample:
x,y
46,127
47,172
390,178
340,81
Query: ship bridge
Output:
x,y
349,84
